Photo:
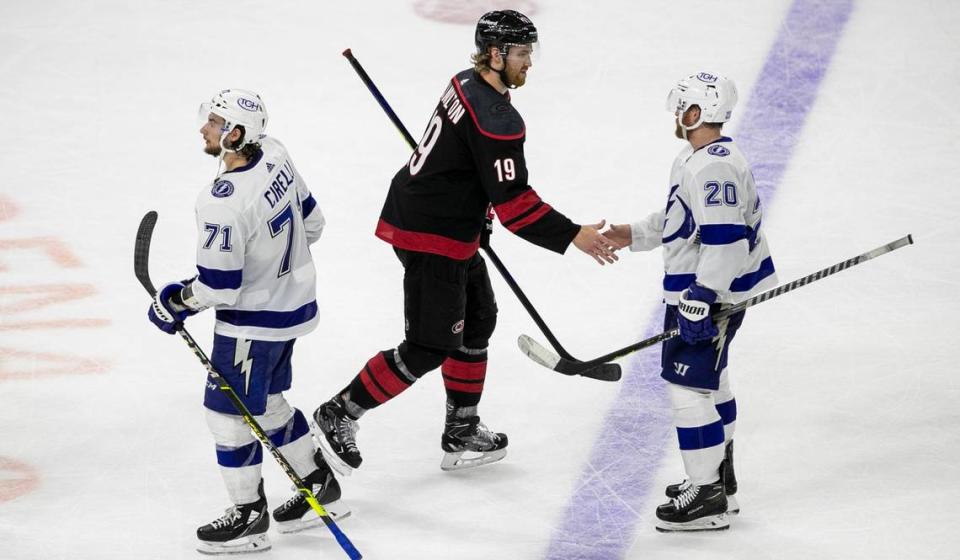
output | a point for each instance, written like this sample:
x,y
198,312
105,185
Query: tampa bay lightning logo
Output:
x,y
706,77
248,104
718,150
222,189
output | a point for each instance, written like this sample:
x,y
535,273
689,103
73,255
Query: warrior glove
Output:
x,y
694,318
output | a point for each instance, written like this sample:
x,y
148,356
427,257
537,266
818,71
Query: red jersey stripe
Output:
x,y
530,218
517,205
426,242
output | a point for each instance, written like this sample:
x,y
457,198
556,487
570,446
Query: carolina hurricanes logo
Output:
x,y
458,327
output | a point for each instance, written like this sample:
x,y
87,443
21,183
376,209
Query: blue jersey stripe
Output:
x,y
722,234
269,319
746,282
678,282
700,437
221,279
308,205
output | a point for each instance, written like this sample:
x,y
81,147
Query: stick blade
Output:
x,y
540,354
141,251
604,372
537,352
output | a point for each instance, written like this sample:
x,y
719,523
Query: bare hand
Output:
x,y
592,242
620,235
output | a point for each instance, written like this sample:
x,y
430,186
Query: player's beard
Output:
x,y
516,77
212,150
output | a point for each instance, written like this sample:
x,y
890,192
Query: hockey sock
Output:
x,y
726,406
239,455
699,432
295,444
464,372
381,379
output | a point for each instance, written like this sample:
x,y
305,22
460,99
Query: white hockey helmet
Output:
x,y
238,107
715,95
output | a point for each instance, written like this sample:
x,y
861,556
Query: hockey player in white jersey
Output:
x,y
255,221
714,255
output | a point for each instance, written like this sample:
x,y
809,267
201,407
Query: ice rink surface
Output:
x,y
848,437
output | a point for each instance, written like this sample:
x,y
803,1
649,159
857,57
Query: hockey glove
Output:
x,y
694,318
167,311
487,229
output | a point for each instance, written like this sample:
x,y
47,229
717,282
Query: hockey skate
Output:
x,y
728,477
297,515
243,528
337,437
697,508
469,435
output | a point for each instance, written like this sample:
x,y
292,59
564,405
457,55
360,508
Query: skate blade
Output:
x,y
329,456
456,461
337,511
708,523
733,507
243,545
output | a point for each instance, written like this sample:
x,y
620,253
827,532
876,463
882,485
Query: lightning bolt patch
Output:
x,y
241,360
721,339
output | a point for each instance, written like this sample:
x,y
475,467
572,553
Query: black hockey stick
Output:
x,y
538,353
141,259
603,372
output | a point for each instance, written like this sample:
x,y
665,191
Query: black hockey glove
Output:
x,y
487,229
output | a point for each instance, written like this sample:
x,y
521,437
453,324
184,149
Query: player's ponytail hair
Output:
x,y
250,149
481,61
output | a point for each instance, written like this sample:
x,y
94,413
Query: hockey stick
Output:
x,y
538,353
141,258
603,372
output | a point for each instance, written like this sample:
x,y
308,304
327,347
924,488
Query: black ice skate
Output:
x,y
339,431
297,515
728,477
243,528
469,435
697,508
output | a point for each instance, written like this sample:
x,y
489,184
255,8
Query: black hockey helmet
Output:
x,y
504,27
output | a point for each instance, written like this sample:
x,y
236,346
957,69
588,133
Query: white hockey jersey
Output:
x,y
255,226
710,228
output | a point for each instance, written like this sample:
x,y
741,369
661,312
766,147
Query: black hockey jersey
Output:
x,y
471,155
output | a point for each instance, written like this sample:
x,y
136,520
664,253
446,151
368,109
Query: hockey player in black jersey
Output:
x,y
469,159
